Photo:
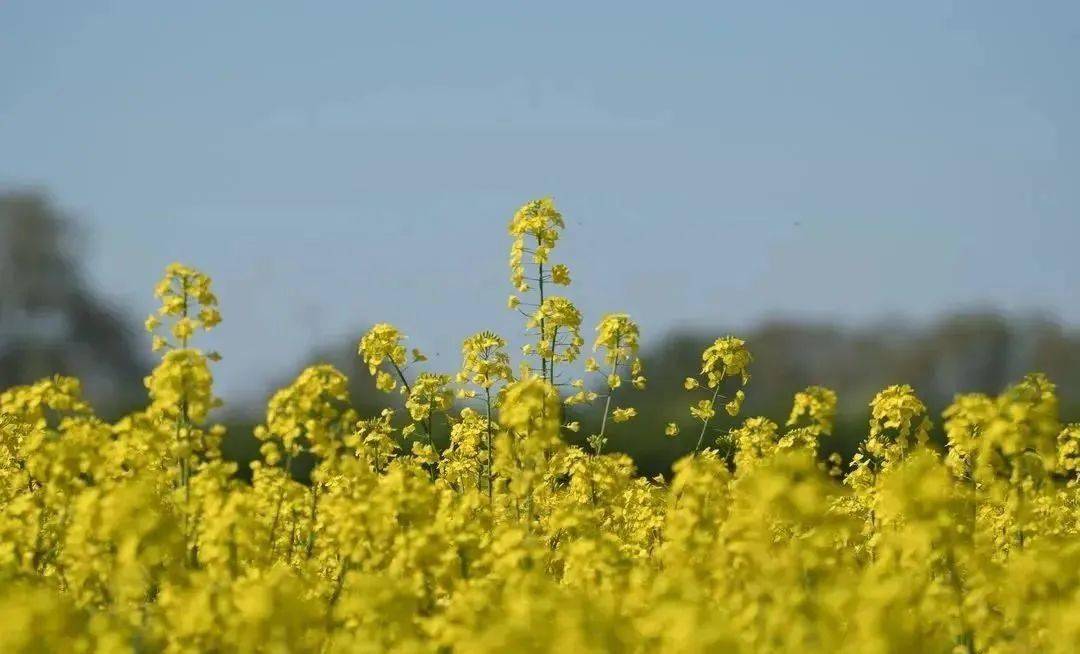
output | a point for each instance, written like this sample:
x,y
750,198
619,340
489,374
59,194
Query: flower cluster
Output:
x,y
536,227
187,302
558,325
617,336
553,320
727,357
382,343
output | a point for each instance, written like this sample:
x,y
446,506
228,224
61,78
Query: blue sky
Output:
x,y
337,164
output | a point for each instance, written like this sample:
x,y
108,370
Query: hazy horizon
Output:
x,y
345,165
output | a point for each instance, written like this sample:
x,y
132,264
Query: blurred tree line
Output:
x,y
50,322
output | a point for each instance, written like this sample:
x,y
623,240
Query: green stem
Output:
x,y
490,471
607,403
705,423
554,336
314,518
540,285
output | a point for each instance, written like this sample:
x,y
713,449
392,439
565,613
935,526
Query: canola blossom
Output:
x,y
138,536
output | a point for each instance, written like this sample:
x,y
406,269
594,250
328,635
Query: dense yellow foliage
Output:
x,y
138,536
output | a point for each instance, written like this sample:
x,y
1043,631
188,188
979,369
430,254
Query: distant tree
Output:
x,y
50,322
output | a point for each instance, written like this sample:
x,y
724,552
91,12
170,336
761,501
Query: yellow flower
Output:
x,y
818,404
529,405
384,381
484,359
704,410
537,225
617,336
382,343
898,422
735,404
183,328
622,415
429,394
559,323
560,275
209,317
187,301
726,357
671,430
424,452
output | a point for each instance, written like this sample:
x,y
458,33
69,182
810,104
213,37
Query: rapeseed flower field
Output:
x,y
138,536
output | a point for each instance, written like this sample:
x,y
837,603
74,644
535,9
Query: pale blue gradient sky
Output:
x,y
335,164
